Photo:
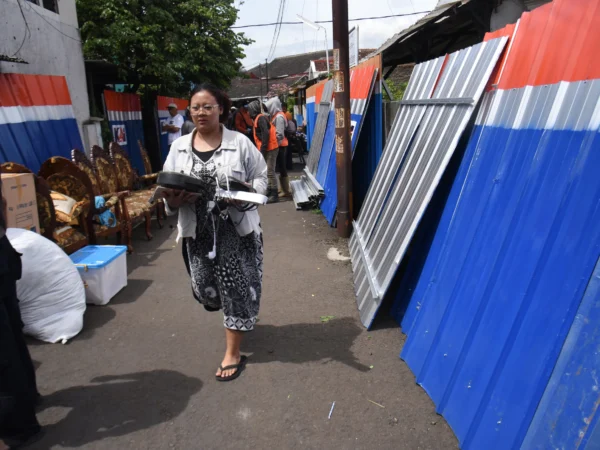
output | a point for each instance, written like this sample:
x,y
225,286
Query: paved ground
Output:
x,y
141,374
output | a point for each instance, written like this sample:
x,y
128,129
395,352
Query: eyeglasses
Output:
x,y
197,109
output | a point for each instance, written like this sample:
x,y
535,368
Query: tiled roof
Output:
x,y
249,87
288,65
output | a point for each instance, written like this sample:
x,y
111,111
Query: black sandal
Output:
x,y
239,366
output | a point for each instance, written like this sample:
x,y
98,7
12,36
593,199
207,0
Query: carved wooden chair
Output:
x,y
67,177
147,165
150,178
134,210
141,188
113,200
45,206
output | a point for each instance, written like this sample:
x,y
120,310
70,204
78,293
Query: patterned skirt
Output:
x,y
232,281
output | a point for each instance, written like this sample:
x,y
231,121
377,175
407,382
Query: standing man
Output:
x,y
174,123
280,122
18,389
266,141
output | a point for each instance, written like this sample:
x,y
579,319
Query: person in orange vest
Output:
x,y
280,122
266,141
288,115
243,122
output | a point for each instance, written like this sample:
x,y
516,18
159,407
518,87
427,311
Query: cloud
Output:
x,y
295,39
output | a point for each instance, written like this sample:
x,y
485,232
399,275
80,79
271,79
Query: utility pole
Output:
x,y
343,143
267,69
260,80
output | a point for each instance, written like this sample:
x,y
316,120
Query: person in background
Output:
x,y
188,125
222,244
174,123
288,115
230,124
266,141
279,121
18,388
243,122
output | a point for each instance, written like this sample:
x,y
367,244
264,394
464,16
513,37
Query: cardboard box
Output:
x,y
18,189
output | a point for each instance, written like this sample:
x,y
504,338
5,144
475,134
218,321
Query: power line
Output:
x,y
330,21
27,31
279,19
302,14
277,30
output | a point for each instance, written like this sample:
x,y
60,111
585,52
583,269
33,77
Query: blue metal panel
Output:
x,y
329,203
328,161
311,120
33,142
427,242
164,142
568,410
368,151
525,231
326,150
135,132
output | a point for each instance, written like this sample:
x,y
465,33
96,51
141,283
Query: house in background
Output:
x,y
281,72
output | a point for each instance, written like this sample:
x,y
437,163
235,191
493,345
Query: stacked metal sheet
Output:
x,y
307,190
362,83
439,102
323,117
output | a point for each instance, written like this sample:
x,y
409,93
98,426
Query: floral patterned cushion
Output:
x,y
68,185
106,173
91,175
44,212
124,172
137,203
67,236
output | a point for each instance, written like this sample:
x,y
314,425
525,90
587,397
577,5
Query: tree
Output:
x,y
171,44
397,90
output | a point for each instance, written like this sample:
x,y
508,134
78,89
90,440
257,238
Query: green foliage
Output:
x,y
291,101
397,89
167,44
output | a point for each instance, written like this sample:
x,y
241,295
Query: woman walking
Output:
x,y
222,244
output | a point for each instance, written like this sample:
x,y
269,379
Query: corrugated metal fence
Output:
x,y
125,120
36,119
439,102
362,82
490,324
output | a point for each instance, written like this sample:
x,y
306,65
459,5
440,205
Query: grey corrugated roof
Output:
x,y
432,16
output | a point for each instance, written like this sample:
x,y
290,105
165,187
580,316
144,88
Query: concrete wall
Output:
x,y
52,47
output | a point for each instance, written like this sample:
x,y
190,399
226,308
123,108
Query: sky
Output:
x,y
295,39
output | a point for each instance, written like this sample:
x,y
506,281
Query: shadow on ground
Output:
x,y
306,342
117,405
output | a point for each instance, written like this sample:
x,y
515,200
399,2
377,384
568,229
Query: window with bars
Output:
x,y
50,5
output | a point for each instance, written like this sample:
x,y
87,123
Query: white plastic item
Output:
x,y
103,269
51,293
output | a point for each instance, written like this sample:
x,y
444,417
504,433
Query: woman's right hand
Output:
x,y
176,198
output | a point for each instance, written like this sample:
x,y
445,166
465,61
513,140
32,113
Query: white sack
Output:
x,y
50,291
